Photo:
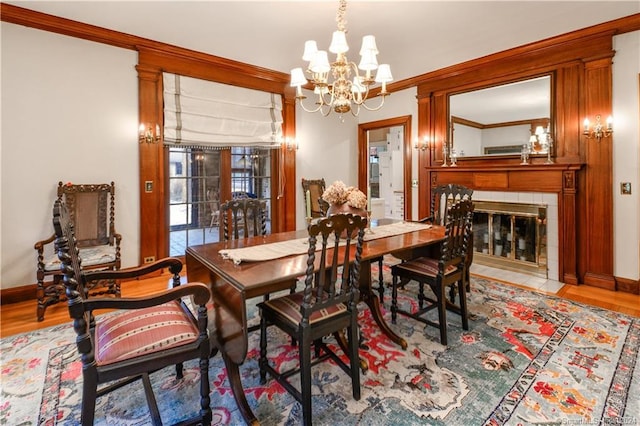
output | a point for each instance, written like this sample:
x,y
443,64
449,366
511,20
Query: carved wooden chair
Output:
x,y
449,269
243,217
327,305
146,335
315,187
442,197
92,209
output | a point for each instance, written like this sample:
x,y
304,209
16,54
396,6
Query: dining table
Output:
x,y
273,263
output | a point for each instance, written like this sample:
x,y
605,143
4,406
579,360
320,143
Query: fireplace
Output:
x,y
511,236
517,231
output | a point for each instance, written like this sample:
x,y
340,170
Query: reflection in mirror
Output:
x,y
504,119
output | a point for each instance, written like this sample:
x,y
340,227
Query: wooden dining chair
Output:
x,y
442,197
243,217
145,335
327,305
315,187
439,273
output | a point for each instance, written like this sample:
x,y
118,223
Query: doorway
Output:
x,y
384,166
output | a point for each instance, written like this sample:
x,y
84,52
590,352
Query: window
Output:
x,y
195,186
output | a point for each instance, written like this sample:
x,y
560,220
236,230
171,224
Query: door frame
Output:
x,y
363,156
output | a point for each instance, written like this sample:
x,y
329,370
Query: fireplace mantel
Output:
x,y
561,179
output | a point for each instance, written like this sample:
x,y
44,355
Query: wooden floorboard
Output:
x,y
20,317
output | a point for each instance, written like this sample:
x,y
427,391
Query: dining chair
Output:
x,y
327,305
442,197
315,187
145,335
92,209
243,217
439,273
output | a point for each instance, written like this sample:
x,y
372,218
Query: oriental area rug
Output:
x,y
527,359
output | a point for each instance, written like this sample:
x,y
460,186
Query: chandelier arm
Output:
x,y
375,108
319,108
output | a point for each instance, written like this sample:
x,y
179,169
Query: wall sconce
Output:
x,y
146,134
599,131
291,144
422,146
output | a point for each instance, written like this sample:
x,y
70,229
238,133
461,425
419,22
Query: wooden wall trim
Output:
x,y
363,155
29,18
628,286
562,43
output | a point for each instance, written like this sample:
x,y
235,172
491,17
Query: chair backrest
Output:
x,y
316,188
336,280
68,252
443,196
243,218
457,233
91,208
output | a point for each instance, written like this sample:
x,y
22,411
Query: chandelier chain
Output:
x,y
340,16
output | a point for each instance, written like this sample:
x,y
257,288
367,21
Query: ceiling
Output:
x,y
414,37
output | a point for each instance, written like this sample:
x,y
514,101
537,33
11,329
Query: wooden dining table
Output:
x,y
233,284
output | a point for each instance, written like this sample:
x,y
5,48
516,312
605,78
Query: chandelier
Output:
x,y
342,94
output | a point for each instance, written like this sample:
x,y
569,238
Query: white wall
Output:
x,y
626,155
328,149
69,113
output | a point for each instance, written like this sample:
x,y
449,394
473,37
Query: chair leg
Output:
x,y
442,313
179,371
305,378
151,400
263,350
394,299
205,399
380,280
89,395
354,360
463,304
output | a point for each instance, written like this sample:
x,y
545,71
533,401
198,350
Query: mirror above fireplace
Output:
x,y
499,120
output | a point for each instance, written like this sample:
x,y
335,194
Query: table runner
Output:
x,y
280,249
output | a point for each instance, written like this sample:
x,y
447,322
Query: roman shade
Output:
x,y
208,115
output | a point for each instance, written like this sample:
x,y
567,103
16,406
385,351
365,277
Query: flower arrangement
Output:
x,y
339,193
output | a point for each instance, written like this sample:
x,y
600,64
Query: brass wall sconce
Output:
x,y
599,131
147,135
291,144
422,146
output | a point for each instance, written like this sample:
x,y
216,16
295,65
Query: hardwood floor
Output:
x,y
21,317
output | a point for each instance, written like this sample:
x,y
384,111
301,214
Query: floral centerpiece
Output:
x,y
345,199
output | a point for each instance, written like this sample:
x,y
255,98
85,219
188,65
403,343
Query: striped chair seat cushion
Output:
x,y
425,266
143,331
289,307
90,256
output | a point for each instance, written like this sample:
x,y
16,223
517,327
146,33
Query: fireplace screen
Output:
x,y
511,236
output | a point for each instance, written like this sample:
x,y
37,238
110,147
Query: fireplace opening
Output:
x,y
511,236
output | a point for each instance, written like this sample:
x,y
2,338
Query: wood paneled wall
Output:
x,y
581,71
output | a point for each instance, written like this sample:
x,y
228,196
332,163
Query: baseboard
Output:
x,y
627,285
18,294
